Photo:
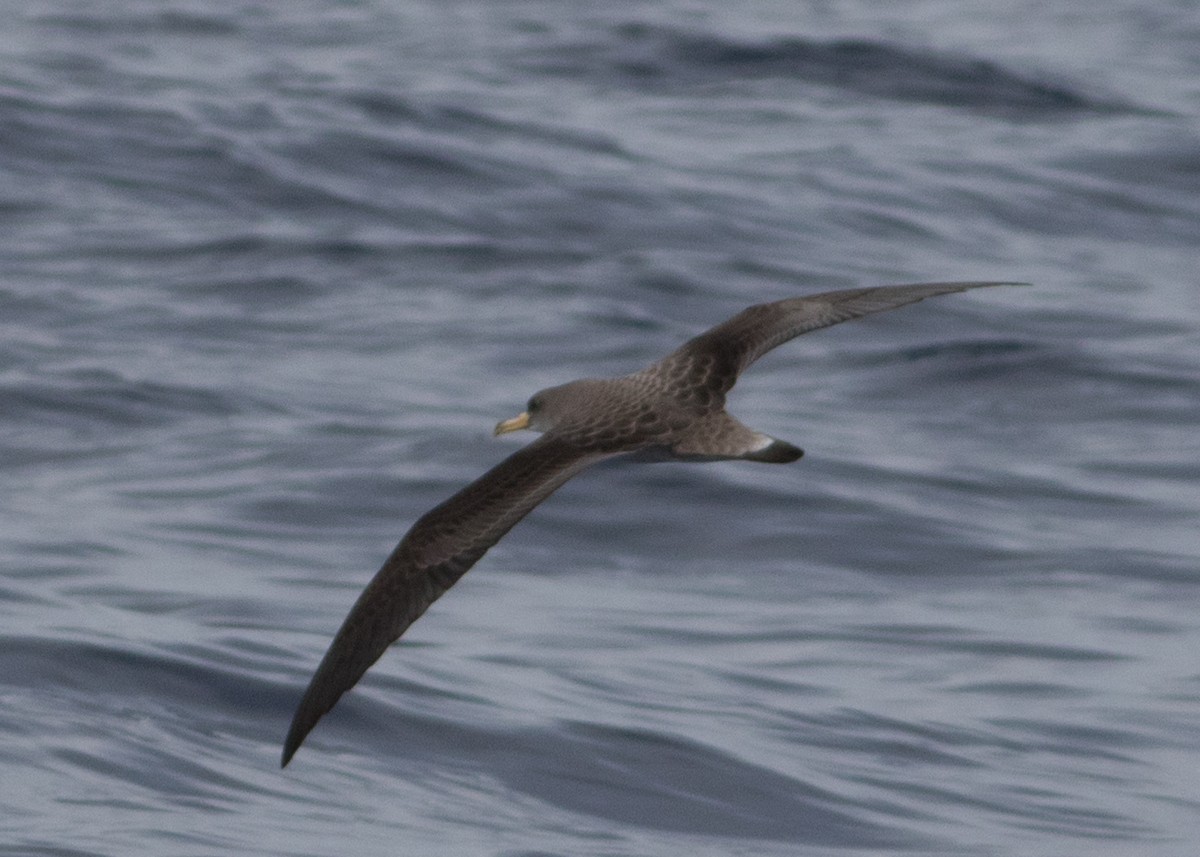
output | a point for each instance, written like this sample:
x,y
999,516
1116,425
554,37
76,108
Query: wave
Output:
x,y
653,56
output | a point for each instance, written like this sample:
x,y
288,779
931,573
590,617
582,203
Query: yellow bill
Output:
x,y
517,423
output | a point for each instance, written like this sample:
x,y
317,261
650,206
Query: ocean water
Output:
x,y
271,272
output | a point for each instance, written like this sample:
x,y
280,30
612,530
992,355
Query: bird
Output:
x,y
673,409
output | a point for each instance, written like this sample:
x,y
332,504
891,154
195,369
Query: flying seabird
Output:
x,y
673,409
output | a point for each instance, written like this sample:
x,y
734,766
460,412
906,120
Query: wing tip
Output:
x,y
313,706
957,285
986,284
295,737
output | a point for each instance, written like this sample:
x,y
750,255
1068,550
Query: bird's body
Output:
x,y
673,409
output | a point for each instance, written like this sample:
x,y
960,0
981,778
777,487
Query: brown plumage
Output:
x,y
672,409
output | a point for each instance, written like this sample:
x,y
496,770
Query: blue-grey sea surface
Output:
x,y
269,273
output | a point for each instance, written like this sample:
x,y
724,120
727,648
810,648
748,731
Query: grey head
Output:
x,y
587,411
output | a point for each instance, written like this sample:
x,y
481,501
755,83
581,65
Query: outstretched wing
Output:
x,y
722,353
439,549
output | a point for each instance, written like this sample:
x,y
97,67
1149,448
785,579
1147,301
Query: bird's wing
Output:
x,y
722,353
439,549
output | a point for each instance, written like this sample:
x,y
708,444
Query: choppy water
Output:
x,y
270,272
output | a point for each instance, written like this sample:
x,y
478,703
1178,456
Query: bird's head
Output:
x,y
558,407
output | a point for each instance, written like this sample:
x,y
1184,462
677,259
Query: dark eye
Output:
x,y
535,404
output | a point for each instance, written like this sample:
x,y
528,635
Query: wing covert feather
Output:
x,y
439,549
